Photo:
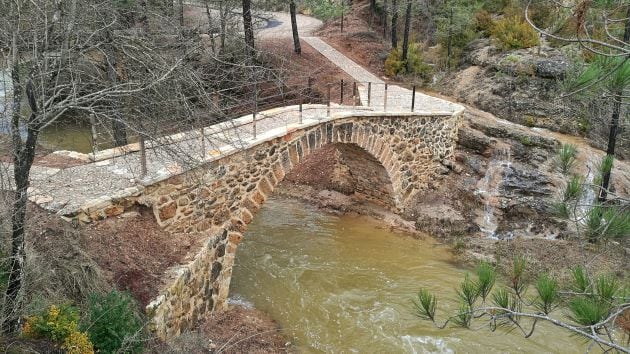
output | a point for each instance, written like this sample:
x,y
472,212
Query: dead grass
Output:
x,y
238,330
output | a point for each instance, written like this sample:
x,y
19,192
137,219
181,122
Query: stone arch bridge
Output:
x,y
222,196
218,192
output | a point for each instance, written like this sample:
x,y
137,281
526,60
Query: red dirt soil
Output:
x,y
135,252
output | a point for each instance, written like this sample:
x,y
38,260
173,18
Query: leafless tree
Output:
x,y
394,24
248,27
294,27
405,47
110,64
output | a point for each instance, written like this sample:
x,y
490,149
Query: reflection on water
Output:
x,y
67,136
344,285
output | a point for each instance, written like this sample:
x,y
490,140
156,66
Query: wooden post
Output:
x,y
369,93
385,99
342,11
354,93
413,98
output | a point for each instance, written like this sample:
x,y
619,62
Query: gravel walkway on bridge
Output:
x,y
116,173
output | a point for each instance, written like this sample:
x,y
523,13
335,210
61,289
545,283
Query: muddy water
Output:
x,y
344,284
67,136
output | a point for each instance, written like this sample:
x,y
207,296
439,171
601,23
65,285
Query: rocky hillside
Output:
x,y
525,86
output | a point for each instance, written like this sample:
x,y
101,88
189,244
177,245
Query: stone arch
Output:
x,y
222,197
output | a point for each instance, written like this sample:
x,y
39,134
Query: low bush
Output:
x,y
112,323
514,33
59,324
324,10
566,157
415,65
484,22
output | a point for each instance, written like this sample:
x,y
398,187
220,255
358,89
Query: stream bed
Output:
x,y
344,284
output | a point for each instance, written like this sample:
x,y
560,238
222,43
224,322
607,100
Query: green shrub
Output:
x,y
496,5
514,33
60,325
548,293
459,247
484,22
526,140
324,10
112,323
566,157
588,311
395,65
55,323
77,343
607,223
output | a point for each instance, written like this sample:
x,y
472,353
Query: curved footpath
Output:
x,y
114,173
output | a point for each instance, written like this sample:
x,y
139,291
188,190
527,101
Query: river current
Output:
x,y
344,284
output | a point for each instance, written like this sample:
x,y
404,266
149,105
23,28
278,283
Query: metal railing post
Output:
x,y
413,99
143,157
369,94
300,119
385,99
203,144
255,110
328,103
341,99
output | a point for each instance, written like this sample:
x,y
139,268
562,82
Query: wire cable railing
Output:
x,y
238,114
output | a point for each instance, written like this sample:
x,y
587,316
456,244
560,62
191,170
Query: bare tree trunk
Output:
x,y
449,50
614,123
223,13
19,204
405,46
144,16
169,9
296,37
248,27
181,12
385,19
210,33
23,156
70,25
394,23
118,127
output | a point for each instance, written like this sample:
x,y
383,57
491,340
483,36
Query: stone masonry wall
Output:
x,y
221,197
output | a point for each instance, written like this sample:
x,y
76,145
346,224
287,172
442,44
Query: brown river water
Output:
x,y
344,284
